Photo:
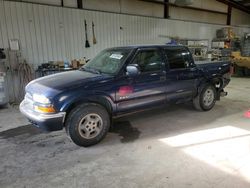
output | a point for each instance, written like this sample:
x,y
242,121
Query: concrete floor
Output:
x,y
171,147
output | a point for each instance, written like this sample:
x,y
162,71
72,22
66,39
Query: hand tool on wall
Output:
x,y
86,35
93,31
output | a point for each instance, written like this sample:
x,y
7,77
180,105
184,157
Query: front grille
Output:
x,y
28,101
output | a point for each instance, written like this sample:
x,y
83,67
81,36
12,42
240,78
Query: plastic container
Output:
x,y
66,64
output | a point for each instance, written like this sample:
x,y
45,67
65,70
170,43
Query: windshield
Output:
x,y
108,61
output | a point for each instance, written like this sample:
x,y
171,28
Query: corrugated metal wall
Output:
x,y
51,33
48,33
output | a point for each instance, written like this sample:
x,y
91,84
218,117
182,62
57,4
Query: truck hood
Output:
x,y
52,85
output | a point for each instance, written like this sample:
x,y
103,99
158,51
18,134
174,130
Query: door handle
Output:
x,y
153,74
179,91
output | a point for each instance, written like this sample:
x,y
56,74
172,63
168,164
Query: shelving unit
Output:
x,y
222,44
198,47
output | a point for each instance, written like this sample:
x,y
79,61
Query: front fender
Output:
x,y
66,103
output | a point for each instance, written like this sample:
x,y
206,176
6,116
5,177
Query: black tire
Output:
x,y
4,105
201,103
80,114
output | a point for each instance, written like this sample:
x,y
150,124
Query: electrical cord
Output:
x,y
25,75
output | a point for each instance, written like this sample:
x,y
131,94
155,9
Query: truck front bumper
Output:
x,y
46,122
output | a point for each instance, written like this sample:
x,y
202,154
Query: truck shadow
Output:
x,y
176,119
125,131
25,130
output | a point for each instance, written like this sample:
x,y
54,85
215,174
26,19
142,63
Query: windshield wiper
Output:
x,y
91,70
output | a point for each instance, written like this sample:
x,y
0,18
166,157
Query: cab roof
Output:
x,y
147,46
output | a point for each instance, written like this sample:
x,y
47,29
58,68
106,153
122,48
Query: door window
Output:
x,y
148,61
178,58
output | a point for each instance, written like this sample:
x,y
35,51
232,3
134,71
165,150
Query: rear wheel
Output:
x,y
87,124
206,99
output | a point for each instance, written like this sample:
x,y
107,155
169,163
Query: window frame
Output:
x,y
190,60
159,51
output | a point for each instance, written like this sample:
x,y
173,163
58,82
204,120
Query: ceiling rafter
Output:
x,y
238,4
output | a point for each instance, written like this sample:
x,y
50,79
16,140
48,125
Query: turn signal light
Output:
x,y
47,109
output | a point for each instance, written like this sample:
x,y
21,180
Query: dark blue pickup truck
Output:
x,y
119,81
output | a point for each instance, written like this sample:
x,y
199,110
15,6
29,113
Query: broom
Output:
x,y
86,35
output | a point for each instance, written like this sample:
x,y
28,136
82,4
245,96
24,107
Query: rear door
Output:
x,y
182,74
148,88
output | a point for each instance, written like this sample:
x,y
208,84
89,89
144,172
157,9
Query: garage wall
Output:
x,y
126,6
198,16
240,18
201,16
48,33
138,7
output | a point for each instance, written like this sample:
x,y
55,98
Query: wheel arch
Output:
x,y
217,82
98,100
212,81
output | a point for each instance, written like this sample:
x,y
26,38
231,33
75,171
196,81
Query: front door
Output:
x,y
148,88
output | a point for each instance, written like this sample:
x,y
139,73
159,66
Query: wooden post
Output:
x,y
166,9
79,4
229,14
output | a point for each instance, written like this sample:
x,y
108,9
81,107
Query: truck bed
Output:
x,y
214,67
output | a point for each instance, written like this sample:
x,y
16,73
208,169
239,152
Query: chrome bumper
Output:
x,y
48,122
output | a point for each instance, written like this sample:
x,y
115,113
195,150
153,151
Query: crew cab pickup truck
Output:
x,y
120,81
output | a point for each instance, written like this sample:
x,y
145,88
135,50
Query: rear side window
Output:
x,y
148,61
178,58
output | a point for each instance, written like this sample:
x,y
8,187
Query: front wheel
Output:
x,y
206,99
87,124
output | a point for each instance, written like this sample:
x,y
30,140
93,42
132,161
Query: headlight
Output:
x,y
44,109
40,99
42,104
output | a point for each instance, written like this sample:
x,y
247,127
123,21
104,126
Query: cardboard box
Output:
x,y
75,64
60,64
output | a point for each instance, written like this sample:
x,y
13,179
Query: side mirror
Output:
x,y
132,70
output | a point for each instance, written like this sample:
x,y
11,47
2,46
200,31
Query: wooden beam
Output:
x,y
79,4
235,5
245,2
229,14
166,9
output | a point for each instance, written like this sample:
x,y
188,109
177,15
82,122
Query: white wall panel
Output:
x,y
53,33
137,7
104,5
141,8
48,2
195,15
210,4
70,3
240,17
